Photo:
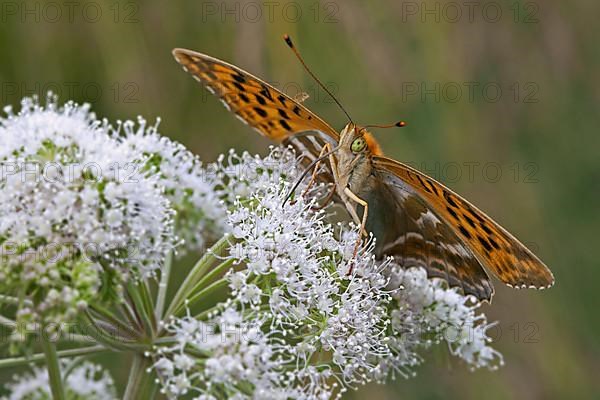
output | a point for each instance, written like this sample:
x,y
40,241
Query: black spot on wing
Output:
x,y
449,199
283,114
475,215
239,78
484,243
452,212
266,92
244,98
470,221
464,232
260,112
260,99
432,186
486,229
494,243
423,184
285,125
296,111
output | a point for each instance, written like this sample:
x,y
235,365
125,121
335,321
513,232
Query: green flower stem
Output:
x,y
108,337
55,378
204,314
141,383
110,318
20,361
148,303
142,306
221,283
196,292
163,286
215,272
196,274
130,315
76,338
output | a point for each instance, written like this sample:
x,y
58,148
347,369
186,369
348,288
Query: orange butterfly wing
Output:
x,y
495,248
272,113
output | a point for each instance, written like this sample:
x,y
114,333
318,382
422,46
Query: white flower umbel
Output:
x,y
425,311
201,194
189,187
85,381
78,217
296,324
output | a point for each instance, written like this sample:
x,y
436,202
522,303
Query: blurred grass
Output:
x,y
370,54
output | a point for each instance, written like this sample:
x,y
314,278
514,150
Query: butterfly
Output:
x,y
414,218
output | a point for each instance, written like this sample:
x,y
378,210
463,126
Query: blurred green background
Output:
x,y
501,99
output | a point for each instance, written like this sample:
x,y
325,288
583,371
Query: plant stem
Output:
x,y
163,286
197,273
19,361
105,334
221,283
142,306
199,289
141,383
53,365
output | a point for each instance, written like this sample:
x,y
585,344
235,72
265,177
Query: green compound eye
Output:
x,y
358,145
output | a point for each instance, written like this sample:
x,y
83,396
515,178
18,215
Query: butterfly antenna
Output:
x,y
399,124
288,40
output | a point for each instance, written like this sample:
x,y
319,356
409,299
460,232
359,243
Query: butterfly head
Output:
x,y
357,141
356,146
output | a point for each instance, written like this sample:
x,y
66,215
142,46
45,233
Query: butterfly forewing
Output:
x,y
493,246
268,110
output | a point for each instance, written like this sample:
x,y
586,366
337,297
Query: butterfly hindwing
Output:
x,y
410,231
494,247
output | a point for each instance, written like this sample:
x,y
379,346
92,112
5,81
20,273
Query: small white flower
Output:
x,y
87,381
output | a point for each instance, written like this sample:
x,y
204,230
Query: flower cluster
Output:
x,y
188,186
85,381
425,311
305,318
79,218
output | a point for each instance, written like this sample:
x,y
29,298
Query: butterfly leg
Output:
x,y
326,148
349,207
327,199
352,196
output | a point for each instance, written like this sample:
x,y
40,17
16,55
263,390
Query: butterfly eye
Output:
x,y
358,145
